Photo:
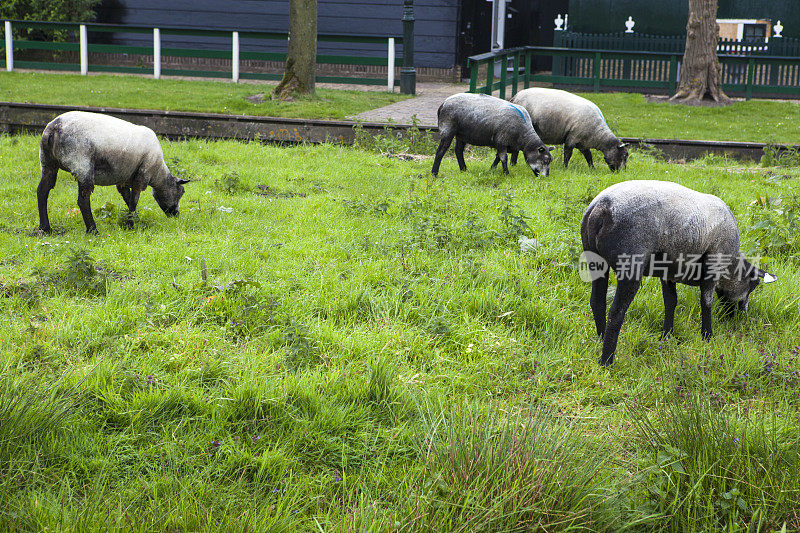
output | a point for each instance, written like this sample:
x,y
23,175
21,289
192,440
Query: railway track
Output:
x,y
32,118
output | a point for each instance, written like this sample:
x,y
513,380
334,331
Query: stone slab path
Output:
x,y
424,105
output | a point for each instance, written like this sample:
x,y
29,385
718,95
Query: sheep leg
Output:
x,y
46,184
588,155
626,290
126,195
598,303
567,154
514,155
670,293
459,149
706,299
444,144
85,190
501,156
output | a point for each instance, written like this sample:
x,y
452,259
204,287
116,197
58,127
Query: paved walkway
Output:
x,y
424,105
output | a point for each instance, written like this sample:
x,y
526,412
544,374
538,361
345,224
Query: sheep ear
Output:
x,y
551,148
182,181
767,277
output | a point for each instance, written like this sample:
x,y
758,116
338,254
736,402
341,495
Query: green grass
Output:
x,y
359,348
182,95
630,115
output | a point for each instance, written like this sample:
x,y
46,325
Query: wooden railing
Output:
x,y
79,40
742,74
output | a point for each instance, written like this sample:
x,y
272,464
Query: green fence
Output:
x,y
61,54
744,74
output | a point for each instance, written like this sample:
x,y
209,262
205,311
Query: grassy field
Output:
x,y
327,340
629,115
182,95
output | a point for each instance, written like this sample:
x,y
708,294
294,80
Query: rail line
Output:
x,y
32,118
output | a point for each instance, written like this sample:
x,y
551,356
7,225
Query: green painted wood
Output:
x,y
503,75
528,70
46,65
656,69
188,52
119,49
487,89
21,44
120,68
473,75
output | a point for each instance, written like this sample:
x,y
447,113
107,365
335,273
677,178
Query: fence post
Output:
x,y
673,74
748,90
473,75
503,75
596,74
489,76
235,57
9,47
515,74
84,51
390,66
528,55
408,76
156,53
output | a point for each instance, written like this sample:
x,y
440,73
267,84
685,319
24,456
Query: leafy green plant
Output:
x,y
49,10
230,183
775,155
514,218
774,224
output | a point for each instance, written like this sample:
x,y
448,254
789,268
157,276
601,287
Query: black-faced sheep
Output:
x,y
103,150
560,117
662,229
484,120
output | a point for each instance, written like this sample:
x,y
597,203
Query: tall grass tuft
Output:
x,y
709,473
495,471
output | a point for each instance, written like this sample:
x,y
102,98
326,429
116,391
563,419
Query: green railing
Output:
x,y
747,75
80,43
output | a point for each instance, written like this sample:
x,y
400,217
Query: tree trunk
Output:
x,y
301,59
701,72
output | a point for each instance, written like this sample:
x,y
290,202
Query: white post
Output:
x,y
84,51
156,53
235,58
9,47
390,66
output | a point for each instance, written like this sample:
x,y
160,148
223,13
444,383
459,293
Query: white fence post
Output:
x,y
235,57
9,47
156,53
84,51
390,66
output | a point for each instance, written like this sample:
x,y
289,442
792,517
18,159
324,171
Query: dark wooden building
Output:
x,y
668,17
447,31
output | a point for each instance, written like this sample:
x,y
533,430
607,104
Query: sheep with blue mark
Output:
x,y
560,117
484,120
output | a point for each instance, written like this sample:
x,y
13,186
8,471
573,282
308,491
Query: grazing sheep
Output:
x,y
484,120
662,229
560,117
102,150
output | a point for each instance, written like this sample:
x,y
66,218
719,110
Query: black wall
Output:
x,y
668,17
436,24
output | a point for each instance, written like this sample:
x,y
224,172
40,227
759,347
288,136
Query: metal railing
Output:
x,y
80,42
747,75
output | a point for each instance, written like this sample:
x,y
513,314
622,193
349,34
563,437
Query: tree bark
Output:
x,y
701,72
301,60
